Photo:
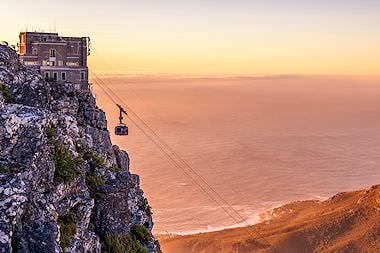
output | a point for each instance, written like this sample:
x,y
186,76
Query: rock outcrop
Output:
x,y
63,186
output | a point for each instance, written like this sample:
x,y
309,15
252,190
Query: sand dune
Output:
x,y
346,222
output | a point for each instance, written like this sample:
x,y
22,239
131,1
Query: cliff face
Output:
x,y
63,186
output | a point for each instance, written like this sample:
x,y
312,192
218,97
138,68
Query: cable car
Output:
x,y
121,129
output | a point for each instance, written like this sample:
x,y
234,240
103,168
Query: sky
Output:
x,y
209,37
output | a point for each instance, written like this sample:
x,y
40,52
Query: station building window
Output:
x,y
52,52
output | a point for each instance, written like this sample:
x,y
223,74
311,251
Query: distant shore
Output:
x,y
346,221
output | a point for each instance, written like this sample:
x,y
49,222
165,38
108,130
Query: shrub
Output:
x,y
141,233
50,134
122,244
68,229
92,181
4,169
95,160
6,93
81,148
115,169
148,210
66,167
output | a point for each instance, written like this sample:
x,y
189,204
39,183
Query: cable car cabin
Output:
x,y
121,130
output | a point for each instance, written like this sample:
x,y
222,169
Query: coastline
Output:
x,y
345,221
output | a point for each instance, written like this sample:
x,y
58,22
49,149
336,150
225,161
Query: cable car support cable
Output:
x,y
177,160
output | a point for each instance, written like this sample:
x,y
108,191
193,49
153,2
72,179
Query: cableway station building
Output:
x,y
61,59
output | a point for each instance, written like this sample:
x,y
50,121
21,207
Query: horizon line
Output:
x,y
229,76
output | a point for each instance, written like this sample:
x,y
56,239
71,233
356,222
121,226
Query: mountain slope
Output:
x,y
346,222
63,185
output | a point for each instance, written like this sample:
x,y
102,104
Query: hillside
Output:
x,y
63,186
346,222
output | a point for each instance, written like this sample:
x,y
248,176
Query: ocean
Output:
x,y
258,142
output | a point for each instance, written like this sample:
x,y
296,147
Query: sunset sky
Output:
x,y
206,37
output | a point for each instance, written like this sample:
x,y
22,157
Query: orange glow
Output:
x,y
224,38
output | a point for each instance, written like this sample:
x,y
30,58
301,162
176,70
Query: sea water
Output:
x,y
258,142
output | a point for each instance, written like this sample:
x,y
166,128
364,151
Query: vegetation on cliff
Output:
x,y
68,172
68,228
6,93
66,167
122,244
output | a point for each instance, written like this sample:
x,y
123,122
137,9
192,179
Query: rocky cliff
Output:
x,y
63,186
